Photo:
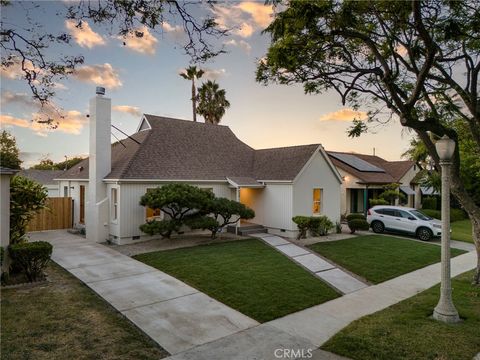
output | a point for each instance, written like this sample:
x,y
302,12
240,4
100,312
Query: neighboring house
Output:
x,y
277,183
364,177
46,178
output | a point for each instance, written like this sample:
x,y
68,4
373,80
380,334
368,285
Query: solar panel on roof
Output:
x,y
356,163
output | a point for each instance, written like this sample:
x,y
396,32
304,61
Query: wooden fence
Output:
x,y
57,215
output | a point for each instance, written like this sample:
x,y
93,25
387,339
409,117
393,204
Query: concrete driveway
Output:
x,y
175,315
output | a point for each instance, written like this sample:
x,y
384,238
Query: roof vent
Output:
x,y
100,90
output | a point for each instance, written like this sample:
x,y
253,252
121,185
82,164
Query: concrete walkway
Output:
x,y
311,328
175,315
328,272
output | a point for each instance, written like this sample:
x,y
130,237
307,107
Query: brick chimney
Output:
x,y
100,159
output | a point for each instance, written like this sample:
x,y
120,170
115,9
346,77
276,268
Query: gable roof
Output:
x,y
44,177
393,170
173,149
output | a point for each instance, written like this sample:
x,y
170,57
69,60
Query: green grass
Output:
x,y
63,319
246,275
407,331
462,230
378,258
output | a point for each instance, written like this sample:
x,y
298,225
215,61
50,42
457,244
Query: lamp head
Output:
x,y
445,148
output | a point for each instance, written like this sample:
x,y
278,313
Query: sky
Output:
x,y
141,76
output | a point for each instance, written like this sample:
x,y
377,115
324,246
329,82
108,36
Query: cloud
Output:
x,y
15,71
242,44
83,34
102,75
140,40
132,110
42,118
211,74
344,115
245,18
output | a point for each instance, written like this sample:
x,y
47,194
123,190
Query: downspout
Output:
x,y
238,220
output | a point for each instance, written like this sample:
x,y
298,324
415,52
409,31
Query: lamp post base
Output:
x,y
449,317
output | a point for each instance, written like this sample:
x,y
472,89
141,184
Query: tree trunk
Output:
x,y
473,211
194,101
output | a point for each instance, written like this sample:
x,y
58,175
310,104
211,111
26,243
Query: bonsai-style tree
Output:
x,y
178,202
221,212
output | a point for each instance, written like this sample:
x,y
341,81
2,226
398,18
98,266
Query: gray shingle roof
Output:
x,y
44,177
184,150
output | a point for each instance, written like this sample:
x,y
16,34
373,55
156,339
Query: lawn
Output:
x,y
462,230
64,319
406,330
378,258
246,275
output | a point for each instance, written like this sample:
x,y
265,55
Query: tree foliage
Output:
x,y
26,46
9,153
418,61
27,197
189,205
212,102
192,73
48,164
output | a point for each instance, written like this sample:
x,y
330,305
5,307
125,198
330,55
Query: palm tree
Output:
x,y
212,102
191,73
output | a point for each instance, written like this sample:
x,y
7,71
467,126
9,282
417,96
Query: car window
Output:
x,y
421,216
389,212
402,214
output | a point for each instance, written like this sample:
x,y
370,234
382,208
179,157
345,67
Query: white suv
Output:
x,y
403,220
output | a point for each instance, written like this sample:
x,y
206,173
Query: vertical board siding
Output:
x,y
132,214
57,215
272,205
317,174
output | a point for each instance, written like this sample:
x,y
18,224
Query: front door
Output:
x,y
82,204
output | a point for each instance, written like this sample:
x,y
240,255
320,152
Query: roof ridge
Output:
x,y
185,120
289,147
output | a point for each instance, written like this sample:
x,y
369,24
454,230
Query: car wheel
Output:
x,y
378,227
424,234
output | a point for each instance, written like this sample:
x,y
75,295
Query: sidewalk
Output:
x,y
311,328
175,315
311,261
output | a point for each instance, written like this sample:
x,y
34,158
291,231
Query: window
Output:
x,y
114,200
65,191
152,214
317,201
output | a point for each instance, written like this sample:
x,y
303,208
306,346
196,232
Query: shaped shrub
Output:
x,y
358,224
320,225
303,223
31,258
356,216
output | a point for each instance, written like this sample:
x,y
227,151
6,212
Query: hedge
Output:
x,y
317,225
455,214
31,258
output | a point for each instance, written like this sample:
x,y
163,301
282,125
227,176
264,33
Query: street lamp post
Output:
x,y
445,310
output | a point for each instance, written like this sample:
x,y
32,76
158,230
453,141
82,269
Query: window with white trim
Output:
x,y
114,201
317,201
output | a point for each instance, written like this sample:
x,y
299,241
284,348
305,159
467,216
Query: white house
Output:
x,y
277,183
46,178
364,177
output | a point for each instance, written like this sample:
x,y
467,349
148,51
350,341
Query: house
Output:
x,y
277,183
364,177
46,178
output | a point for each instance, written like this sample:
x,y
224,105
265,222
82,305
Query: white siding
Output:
x,y
132,214
52,190
317,174
272,205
